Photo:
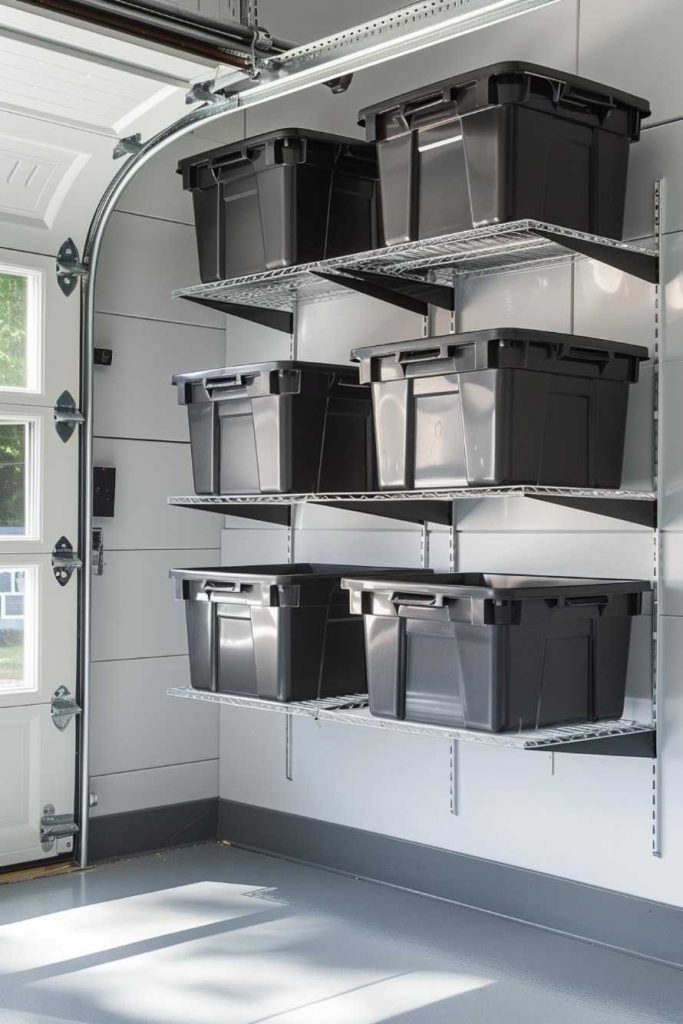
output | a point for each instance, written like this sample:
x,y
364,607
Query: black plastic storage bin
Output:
x,y
279,427
290,196
496,653
279,632
504,406
506,142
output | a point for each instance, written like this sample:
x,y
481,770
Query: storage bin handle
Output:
x,y
426,355
246,155
585,602
584,354
228,587
223,387
418,600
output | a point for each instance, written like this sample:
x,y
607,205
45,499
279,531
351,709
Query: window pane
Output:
x,y
14,606
12,479
6,582
14,329
13,673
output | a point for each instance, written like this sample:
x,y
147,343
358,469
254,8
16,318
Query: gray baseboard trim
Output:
x,y
638,926
154,828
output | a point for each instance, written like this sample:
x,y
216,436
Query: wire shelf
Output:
x,y
489,249
306,708
528,739
353,710
433,494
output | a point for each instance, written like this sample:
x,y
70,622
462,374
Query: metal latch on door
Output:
x,y
59,828
64,561
66,415
63,707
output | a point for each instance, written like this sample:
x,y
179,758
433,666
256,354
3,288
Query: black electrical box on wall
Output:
x,y
104,489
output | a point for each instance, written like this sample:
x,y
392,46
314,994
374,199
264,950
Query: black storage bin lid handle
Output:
x,y
227,162
234,386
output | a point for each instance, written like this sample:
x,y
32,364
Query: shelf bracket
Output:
x,y
277,319
417,511
638,264
629,510
383,291
440,295
636,744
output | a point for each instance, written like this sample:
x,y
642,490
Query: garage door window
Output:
x,y
18,628
21,320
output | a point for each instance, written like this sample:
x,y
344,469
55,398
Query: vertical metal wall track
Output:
x,y
657,394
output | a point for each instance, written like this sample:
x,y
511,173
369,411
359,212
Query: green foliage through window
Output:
x,y
12,477
13,329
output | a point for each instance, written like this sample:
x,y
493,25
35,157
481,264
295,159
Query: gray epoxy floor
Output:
x,y
213,935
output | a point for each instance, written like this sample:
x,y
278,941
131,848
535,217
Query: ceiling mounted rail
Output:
x,y
153,21
406,30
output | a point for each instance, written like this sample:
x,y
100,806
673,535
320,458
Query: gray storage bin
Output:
x,y
506,142
279,427
502,406
496,653
278,632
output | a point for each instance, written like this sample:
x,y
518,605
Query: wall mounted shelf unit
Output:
x,y
426,506
413,275
419,277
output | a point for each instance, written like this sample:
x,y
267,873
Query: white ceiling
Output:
x,y
72,90
66,95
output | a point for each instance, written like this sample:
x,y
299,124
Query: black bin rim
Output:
x,y
624,99
284,573
514,334
497,586
205,158
197,376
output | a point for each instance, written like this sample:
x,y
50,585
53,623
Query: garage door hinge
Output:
x,y
66,415
57,827
130,146
64,561
63,707
69,266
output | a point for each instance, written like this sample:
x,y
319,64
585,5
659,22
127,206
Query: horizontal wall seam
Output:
x,y
153,768
140,440
153,216
158,320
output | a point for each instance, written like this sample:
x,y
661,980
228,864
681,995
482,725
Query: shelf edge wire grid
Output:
x,y
477,251
353,710
444,494
526,739
307,708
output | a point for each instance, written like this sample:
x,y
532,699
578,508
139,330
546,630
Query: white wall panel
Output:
x,y
672,446
634,46
132,245
659,154
673,297
359,547
134,612
147,472
241,546
154,787
618,555
366,322
134,396
134,725
613,305
540,298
